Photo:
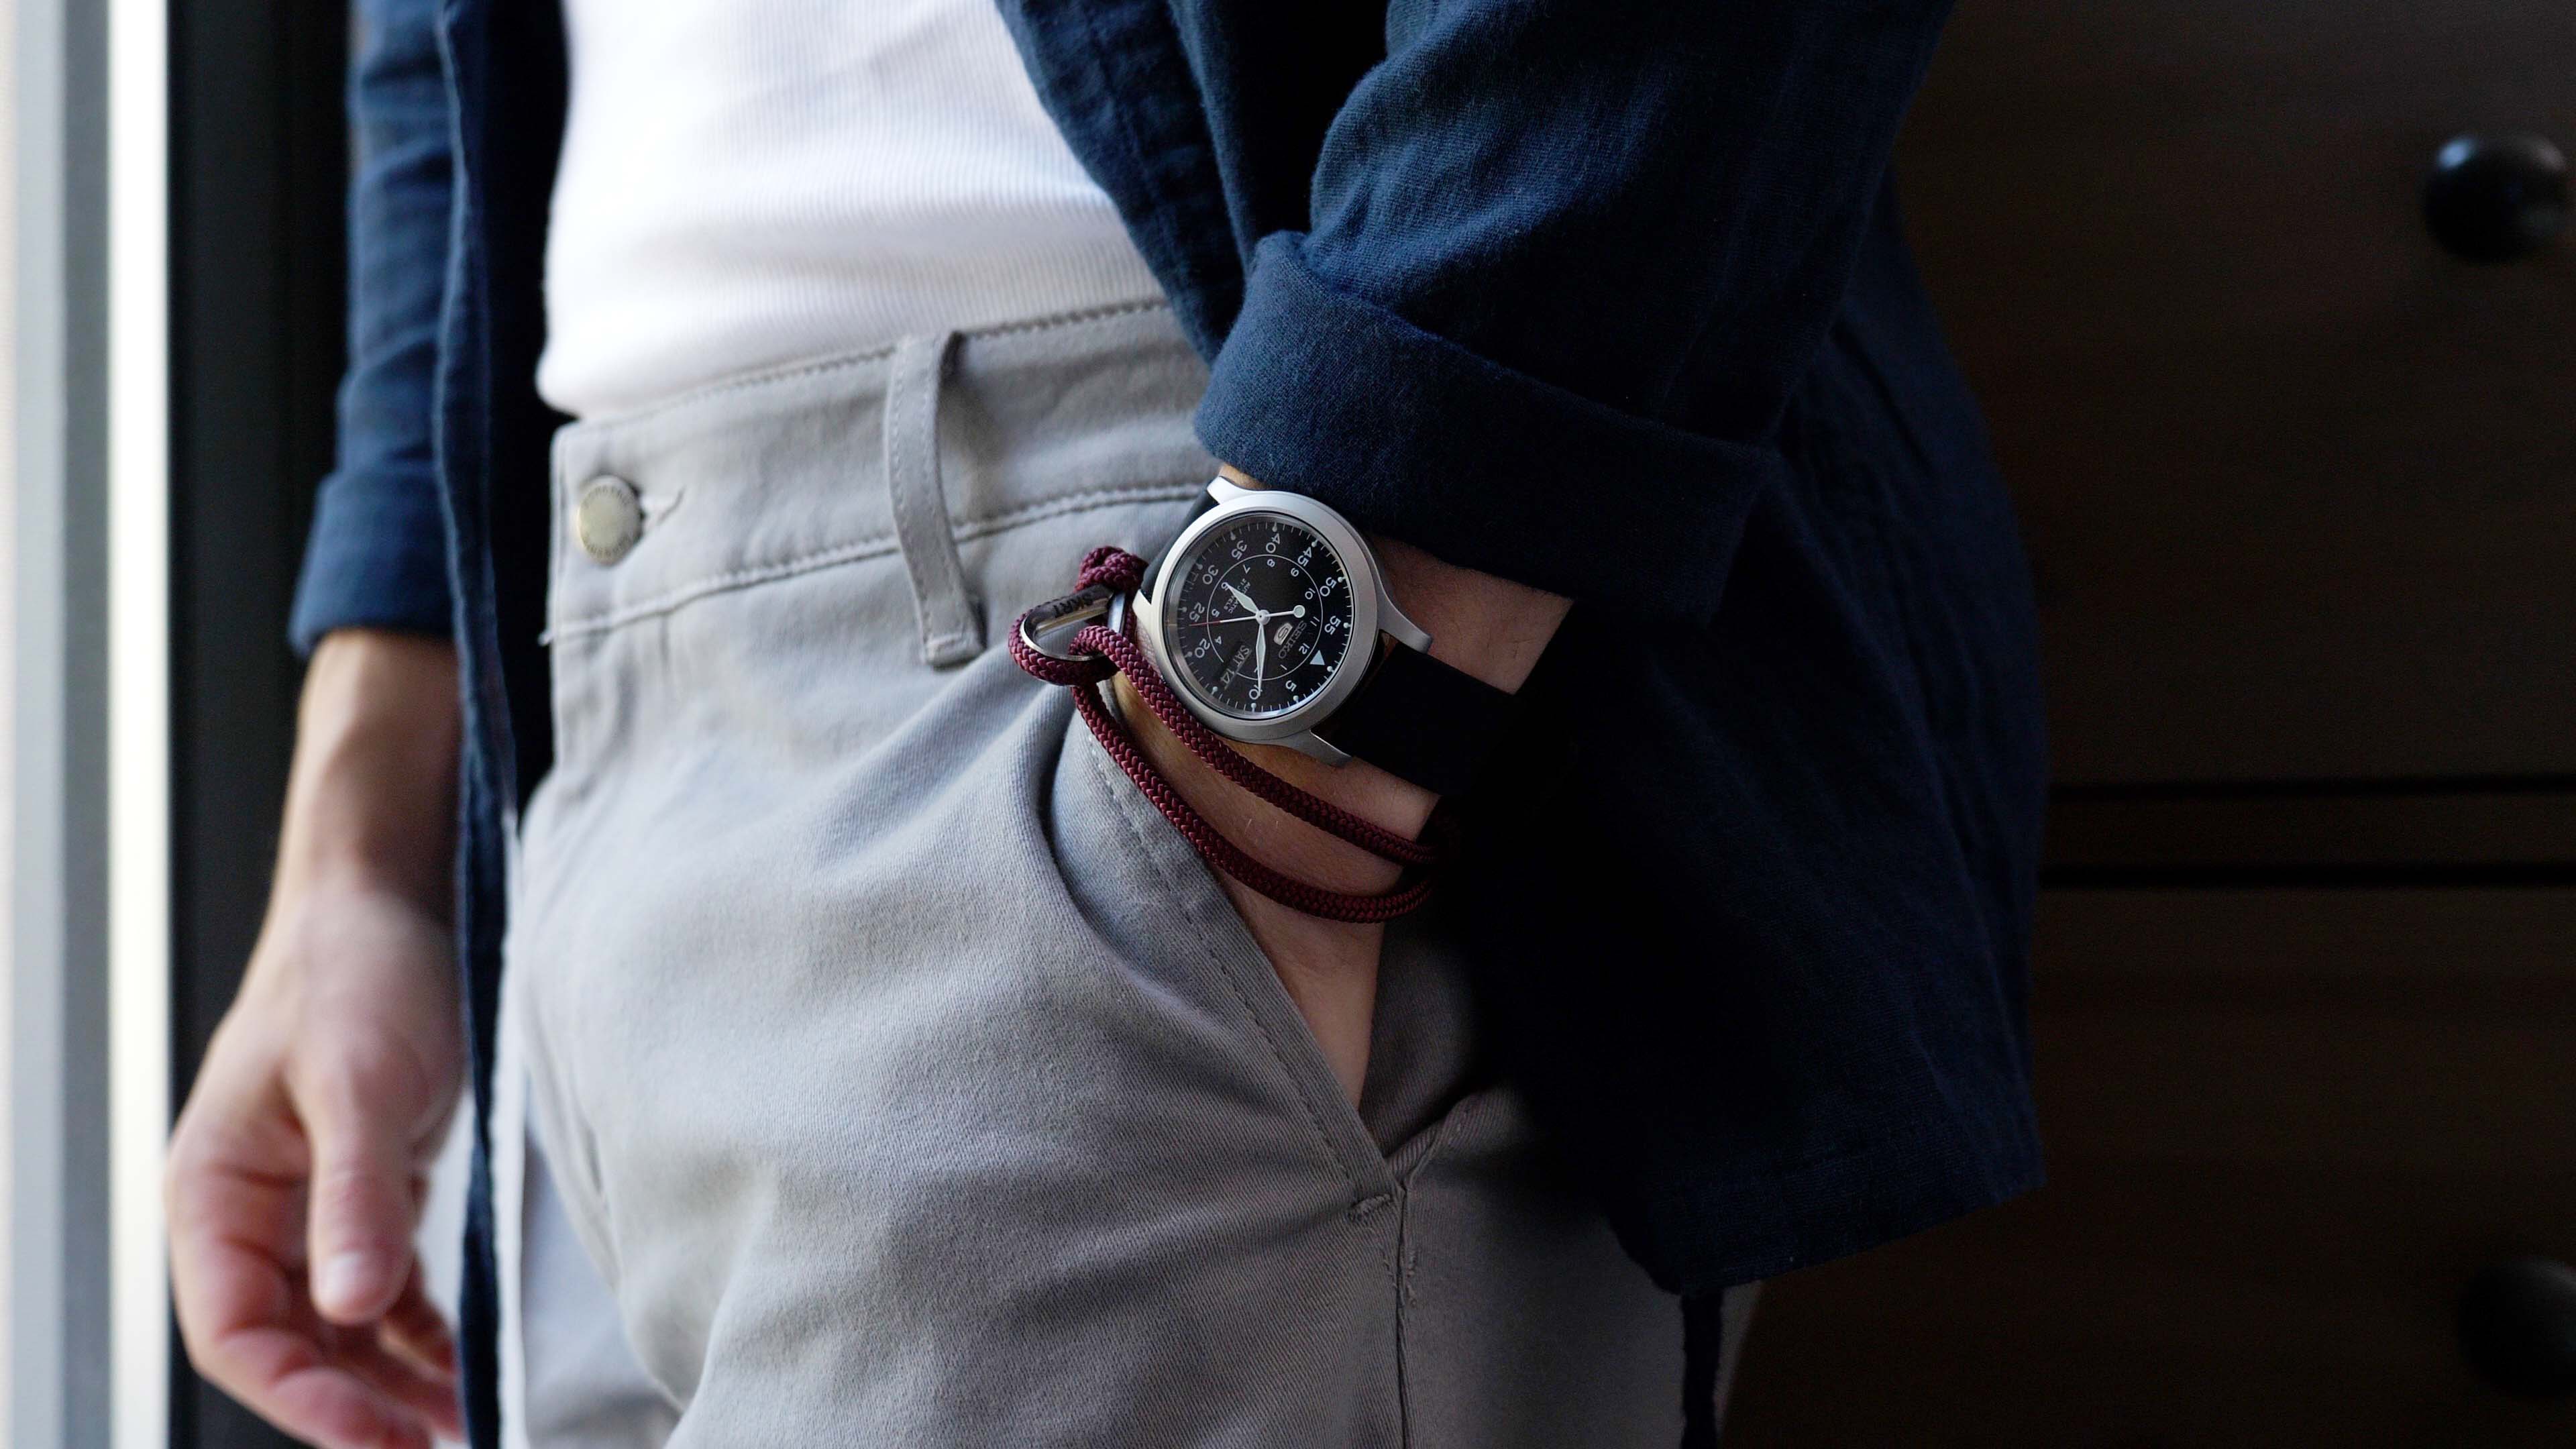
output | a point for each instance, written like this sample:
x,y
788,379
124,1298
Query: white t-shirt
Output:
x,y
747,183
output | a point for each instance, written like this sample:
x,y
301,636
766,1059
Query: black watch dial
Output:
x,y
1259,615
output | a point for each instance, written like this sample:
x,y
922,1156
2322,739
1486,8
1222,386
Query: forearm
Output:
x,y
372,794
292,1183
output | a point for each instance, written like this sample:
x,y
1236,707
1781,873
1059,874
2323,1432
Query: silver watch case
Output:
x,y
1374,617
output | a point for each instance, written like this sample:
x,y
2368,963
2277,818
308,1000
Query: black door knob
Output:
x,y
2495,198
2518,1326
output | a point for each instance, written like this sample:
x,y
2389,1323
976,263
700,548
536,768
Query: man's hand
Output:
x,y
296,1172
1490,628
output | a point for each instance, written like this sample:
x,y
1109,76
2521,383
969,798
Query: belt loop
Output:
x,y
952,626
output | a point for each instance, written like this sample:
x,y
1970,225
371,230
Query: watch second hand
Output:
x,y
1298,612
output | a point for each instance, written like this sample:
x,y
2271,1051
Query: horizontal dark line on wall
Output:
x,y
2430,875
2317,787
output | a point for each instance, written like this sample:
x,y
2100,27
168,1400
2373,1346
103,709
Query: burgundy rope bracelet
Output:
x,y
1101,652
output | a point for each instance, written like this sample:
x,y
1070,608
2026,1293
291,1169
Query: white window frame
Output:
x,y
87,1323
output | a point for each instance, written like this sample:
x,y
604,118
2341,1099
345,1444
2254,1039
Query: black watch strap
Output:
x,y
1418,718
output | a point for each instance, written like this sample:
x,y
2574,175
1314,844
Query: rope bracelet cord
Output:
x,y
1100,652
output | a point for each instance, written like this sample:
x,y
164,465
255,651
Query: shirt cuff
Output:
x,y
377,558
1416,437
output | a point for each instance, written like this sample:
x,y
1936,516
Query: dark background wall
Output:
x,y
259,163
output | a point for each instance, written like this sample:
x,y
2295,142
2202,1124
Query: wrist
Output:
x,y
1480,625
371,797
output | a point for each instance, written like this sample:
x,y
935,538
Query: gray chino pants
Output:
x,y
905,1079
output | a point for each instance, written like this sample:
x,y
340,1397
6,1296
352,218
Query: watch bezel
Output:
x,y
1370,611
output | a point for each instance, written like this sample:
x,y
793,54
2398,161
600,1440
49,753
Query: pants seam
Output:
x,y
843,362
858,550
1182,891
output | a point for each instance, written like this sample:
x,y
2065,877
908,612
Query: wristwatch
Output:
x,y
1270,618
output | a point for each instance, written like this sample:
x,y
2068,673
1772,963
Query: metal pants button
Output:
x,y
608,519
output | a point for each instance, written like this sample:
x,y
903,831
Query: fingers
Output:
x,y
361,1216
339,1402
234,1198
252,1331
418,1392
418,1332
291,1192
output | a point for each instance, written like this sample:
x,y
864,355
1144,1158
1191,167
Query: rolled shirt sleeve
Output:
x,y
1566,263
378,553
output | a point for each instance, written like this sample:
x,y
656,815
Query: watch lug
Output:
x,y
1315,746
1224,492
1392,622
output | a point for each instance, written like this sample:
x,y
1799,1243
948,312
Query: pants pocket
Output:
x,y
1121,846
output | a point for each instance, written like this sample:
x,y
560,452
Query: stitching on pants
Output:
x,y
873,546
1084,501
1402,1272
1459,1112
826,365
1182,891
722,583
1073,319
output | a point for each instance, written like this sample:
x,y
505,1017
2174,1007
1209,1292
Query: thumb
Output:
x,y
359,1222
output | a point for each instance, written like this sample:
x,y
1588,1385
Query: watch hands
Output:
x,y
1258,616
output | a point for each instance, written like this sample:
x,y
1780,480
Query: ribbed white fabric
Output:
x,y
753,182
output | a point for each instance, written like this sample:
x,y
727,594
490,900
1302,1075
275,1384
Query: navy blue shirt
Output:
x,y
1609,299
